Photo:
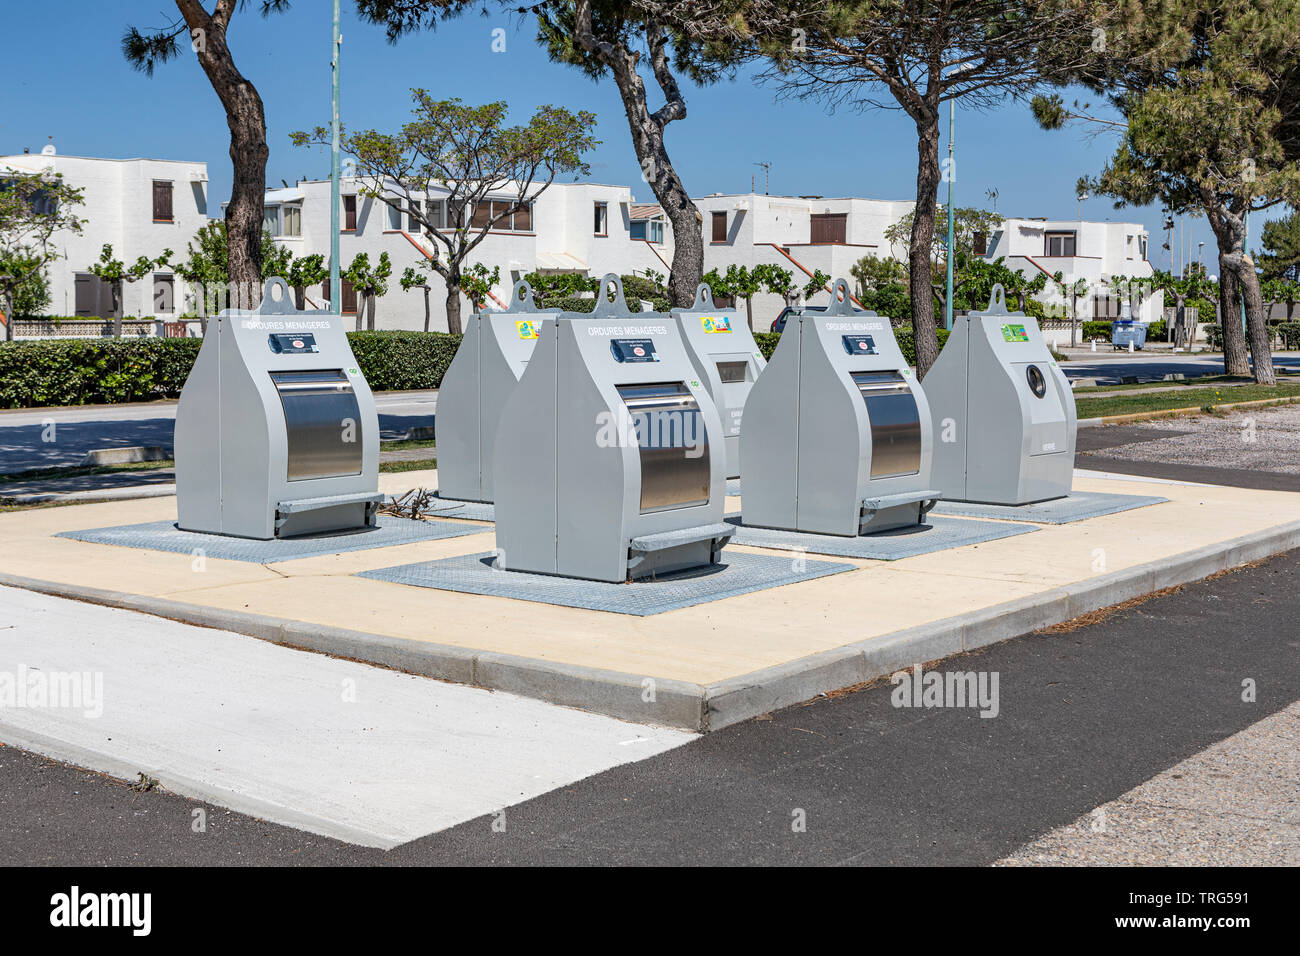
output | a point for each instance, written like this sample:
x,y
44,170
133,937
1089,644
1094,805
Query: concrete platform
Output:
x,y
696,668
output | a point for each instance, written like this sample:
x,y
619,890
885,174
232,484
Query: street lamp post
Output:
x,y
952,176
336,292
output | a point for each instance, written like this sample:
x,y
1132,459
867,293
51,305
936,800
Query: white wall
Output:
x,y
118,204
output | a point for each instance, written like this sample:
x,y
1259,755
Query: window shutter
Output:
x,y
162,201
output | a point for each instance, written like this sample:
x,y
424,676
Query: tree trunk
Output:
x,y
370,311
426,308
453,305
922,242
648,141
749,312
1261,341
117,309
1235,360
9,316
248,154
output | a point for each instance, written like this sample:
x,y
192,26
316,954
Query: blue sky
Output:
x,y
65,77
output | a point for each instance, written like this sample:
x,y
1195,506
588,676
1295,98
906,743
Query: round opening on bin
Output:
x,y
1037,384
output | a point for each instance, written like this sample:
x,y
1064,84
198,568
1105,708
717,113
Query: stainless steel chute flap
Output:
x,y
322,422
895,423
673,445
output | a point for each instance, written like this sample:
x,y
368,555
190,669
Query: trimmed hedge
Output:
x,y
107,371
403,360
576,303
1287,332
93,371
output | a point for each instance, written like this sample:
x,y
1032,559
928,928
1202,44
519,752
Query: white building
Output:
x,y
1096,252
584,228
143,206
798,233
139,206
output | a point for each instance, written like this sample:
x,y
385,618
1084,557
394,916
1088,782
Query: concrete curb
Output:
x,y
681,704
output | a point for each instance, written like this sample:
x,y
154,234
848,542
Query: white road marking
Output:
x,y
338,748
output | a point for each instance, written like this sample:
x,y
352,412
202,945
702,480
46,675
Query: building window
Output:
x,y
1059,244
1142,247
292,216
980,244
415,213
394,217
829,228
514,218
349,213
437,214
719,227
651,230
271,220
481,216
164,291
600,224
162,201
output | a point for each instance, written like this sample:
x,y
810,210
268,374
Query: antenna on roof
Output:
x,y
767,173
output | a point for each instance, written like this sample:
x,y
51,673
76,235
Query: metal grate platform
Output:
x,y
737,574
165,536
937,534
1077,506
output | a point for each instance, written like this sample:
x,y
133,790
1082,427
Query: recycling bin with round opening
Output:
x,y
276,429
1002,409
837,431
726,359
1124,333
476,392
612,469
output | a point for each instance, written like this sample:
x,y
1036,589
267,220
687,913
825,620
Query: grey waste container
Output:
x,y
1123,332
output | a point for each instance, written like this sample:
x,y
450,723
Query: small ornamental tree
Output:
x,y
117,273
369,282
478,282
460,172
414,279
33,209
303,274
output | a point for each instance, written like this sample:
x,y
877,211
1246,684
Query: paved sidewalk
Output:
x,y
362,754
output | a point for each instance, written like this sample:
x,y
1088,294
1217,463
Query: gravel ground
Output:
x,y
1262,439
1234,804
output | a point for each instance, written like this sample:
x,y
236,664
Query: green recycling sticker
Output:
x,y
1015,333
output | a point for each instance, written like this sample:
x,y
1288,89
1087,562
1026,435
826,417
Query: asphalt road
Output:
x,y
43,438
1149,366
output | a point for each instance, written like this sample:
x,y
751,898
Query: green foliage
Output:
x,y
967,223
207,261
412,278
1281,241
477,281
403,360
366,279
92,371
31,295
561,284
98,371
